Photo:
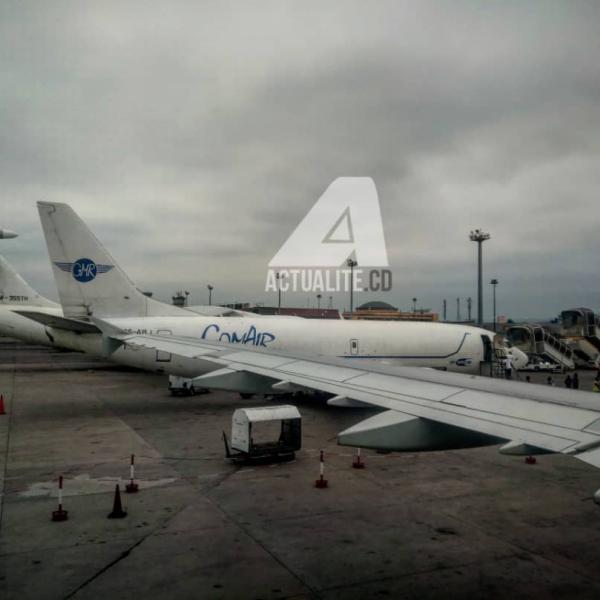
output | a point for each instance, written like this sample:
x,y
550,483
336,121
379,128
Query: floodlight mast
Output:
x,y
279,276
351,263
479,236
494,283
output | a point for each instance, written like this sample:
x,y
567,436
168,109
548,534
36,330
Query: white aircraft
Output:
x,y
91,285
16,294
6,234
19,301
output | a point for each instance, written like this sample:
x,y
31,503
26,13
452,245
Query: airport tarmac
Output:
x,y
459,524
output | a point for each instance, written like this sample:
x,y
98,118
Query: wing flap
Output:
x,y
592,457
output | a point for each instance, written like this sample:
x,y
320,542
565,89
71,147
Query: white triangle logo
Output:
x,y
341,232
352,205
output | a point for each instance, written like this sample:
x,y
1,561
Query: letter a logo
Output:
x,y
345,220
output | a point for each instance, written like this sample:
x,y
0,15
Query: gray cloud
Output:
x,y
193,137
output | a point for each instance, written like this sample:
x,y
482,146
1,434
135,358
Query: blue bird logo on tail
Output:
x,y
84,269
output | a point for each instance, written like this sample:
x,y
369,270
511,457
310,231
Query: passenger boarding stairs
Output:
x,y
586,352
536,341
581,327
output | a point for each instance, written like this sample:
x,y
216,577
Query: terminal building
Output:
x,y
307,313
382,311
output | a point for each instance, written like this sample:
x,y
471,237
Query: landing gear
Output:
x,y
246,396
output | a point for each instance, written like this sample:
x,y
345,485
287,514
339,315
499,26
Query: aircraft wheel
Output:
x,y
245,396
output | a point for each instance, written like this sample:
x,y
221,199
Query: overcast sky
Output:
x,y
194,136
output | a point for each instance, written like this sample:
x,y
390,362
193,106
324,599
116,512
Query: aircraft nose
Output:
x,y
6,234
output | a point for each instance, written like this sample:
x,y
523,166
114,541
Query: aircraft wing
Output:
x,y
51,320
418,402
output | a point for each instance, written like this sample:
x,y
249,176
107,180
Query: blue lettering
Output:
x,y
266,338
238,340
252,336
205,332
84,270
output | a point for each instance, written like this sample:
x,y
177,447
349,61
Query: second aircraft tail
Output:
x,y
89,280
15,290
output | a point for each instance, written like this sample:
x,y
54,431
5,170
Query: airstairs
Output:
x,y
582,328
536,341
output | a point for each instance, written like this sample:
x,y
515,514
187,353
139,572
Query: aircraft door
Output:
x,y
162,356
487,348
353,346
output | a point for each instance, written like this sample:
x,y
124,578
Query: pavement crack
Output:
x,y
119,558
311,590
103,570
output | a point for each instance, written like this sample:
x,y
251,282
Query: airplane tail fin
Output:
x,y
89,280
15,290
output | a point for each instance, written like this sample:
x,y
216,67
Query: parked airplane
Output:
x,y
6,234
91,284
16,294
17,297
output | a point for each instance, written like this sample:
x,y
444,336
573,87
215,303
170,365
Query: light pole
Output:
x,y
210,289
279,277
319,296
414,305
445,310
351,263
494,283
479,236
469,307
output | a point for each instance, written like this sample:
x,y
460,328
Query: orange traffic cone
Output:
x,y
2,411
117,511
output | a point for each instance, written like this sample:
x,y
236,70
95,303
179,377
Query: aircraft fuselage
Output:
x,y
404,343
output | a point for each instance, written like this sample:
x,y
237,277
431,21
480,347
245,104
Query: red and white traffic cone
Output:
x,y
357,463
131,487
2,411
60,514
321,482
